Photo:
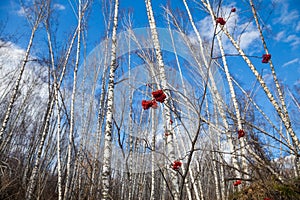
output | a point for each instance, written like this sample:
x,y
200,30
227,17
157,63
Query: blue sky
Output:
x,y
281,30
281,18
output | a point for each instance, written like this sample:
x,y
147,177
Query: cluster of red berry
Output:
x,y
241,133
221,21
149,104
266,58
176,165
236,183
158,95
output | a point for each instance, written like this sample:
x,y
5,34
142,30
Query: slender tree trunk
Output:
x,y
100,116
130,137
264,86
56,99
153,157
267,91
72,117
106,172
216,96
285,114
17,83
48,114
199,180
235,104
167,113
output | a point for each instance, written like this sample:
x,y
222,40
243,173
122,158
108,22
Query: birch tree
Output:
x,y
46,124
106,172
56,99
81,9
38,11
282,112
167,112
258,77
101,109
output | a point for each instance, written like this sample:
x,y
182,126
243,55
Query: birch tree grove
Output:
x,y
149,100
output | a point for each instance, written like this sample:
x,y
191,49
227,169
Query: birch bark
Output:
x,y
106,172
153,157
235,104
43,135
72,117
39,17
216,96
167,113
263,84
285,114
56,99
267,91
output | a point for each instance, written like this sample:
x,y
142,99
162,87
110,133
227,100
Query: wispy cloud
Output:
x,y
287,16
59,6
298,26
294,40
267,78
248,38
280,36
296,60
246,34
21,12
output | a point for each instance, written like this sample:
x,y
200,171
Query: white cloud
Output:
x,y
288,19
246,33
267,78
59,6
21,12
11,57
298,26
296,60
280,35
248,38
286,16
294,40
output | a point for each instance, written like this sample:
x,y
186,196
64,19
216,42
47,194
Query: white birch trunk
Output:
x,y
72,117
106,172
285,114
130,138
32,181
235,104
267,91
215,93
17,83
214,158
153,157
199,180
167,113
264,86
99,126
56,99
